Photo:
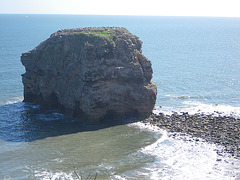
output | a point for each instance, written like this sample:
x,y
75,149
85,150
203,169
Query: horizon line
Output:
x,y
120,15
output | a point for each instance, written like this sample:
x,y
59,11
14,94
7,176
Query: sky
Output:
x,y
218,8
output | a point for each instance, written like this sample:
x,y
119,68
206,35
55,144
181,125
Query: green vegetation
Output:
x,y
105,33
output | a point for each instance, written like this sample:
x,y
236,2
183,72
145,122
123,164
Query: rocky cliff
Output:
x,y
91,74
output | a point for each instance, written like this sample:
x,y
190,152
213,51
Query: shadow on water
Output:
x,y
22,122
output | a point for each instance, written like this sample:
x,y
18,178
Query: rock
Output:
x,y
91,74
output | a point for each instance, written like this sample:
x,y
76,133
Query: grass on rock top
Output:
x,y
107,34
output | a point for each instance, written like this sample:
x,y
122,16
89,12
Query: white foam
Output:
x,y
180,159
147,126
184,157
12,100
119,177
193,107
46,175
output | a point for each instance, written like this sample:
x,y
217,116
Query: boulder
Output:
x,y
90,74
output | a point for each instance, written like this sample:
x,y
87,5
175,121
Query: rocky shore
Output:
x,y
215,128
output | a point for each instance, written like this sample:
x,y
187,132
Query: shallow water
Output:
x,y
196,68
39,144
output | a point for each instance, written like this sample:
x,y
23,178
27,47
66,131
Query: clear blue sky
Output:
x,y
224,8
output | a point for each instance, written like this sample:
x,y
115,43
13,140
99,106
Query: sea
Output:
x,y
196,64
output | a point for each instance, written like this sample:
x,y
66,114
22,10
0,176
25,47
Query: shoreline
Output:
x,y
214,128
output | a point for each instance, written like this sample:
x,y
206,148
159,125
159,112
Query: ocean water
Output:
x,y
196,64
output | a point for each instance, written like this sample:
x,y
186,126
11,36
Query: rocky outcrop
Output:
x,y
91,74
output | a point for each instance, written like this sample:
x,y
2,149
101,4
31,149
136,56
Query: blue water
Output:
x,y
193,57
196,64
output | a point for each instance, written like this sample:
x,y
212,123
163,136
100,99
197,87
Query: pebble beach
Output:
x,y
214,128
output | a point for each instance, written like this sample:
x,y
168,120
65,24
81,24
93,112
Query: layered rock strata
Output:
x,y
91,74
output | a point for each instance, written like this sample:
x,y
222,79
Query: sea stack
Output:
x,y
91,74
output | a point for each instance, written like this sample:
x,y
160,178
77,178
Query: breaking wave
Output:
x,y
193,107
184,157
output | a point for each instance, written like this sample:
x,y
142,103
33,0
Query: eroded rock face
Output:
x,y
90,74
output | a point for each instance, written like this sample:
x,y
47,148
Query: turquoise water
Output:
x,y
196,63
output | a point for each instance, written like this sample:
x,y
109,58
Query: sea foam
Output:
x,y
184,158
193,107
